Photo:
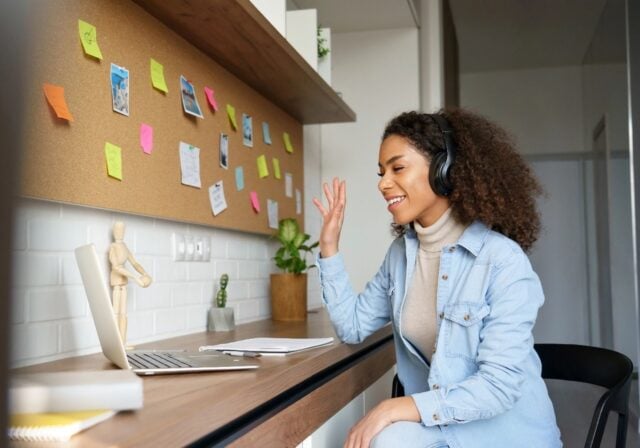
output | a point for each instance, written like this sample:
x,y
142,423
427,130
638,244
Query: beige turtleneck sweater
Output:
x,y
419,313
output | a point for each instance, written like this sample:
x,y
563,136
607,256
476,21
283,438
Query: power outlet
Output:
x,y
179,247
190,247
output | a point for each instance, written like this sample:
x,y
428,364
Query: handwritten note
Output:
x,y
55,97
157,76
217,199
288,185
287,142
146,138
272,213
113,154
263,170
255,203
231,113
88,37
190,165
266,134
276,168
211,99
298,202
239,178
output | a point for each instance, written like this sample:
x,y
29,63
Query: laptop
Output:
x,y
142,362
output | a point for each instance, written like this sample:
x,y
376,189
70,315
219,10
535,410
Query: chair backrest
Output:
x,y
593,365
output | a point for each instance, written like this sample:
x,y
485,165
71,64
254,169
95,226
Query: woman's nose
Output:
x,y
383,184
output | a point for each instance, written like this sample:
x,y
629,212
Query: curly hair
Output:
x,y
491,182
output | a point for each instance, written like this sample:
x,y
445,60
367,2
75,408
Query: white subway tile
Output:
x,y
157,295
167,270
34,340
35,269
19,234
209,292
70,274
154,241
259,250
248,310
140,326
226,267
168,321
56,303
219,245
77,335
238,290
237,248
248,269
198,270
37,209
56,235
258,289
187,293
197,317
18,306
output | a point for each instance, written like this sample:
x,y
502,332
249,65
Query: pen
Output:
x,y
243,354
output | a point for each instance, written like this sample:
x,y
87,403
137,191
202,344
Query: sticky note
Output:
x,y
146,138
239,178
190,165
55,97
276,168
255,204
157,76
211,99
263,170
272,213
217,199
298,202
288,185
113,155
231,112
88,37
287,142
266,134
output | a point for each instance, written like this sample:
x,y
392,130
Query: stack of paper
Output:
x,y
269,346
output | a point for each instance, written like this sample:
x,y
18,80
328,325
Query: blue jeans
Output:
x,y
409,435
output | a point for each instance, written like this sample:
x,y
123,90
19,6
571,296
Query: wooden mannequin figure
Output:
x,y
119,254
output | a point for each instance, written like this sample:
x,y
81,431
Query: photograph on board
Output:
x,y
120,89
189,100
247,130
224,151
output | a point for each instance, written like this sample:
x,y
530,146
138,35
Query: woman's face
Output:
x,y
404,183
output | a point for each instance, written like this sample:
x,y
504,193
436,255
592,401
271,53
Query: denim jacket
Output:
x,y
483,387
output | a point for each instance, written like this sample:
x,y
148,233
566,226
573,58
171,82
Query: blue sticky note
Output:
x,y
239,178
266,135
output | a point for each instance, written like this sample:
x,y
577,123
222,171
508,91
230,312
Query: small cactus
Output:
x,y
221,297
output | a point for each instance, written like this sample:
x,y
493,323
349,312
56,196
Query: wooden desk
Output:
x,y
279,404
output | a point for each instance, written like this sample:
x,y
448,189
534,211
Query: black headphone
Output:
x,y
441,162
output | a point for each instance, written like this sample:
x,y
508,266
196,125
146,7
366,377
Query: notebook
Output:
x,y
269,346
54,427
142,362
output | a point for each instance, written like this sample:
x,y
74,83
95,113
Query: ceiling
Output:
x,y
492,34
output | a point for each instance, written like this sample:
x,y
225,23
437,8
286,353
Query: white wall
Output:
x,y
542,107
377,74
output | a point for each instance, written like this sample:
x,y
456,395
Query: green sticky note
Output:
x,y
263,170
276,168
157,76
113,154
88,37
231,112
287,142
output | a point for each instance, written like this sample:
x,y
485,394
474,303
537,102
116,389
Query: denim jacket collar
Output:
x,y
472,239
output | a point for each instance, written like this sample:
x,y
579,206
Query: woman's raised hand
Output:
x,y
332,216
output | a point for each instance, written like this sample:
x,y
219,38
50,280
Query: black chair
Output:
x,y
603,367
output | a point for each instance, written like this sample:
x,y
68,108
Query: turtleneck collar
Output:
x,y
446,230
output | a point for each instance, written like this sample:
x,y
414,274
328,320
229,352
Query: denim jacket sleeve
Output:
x,y
354,316
514,296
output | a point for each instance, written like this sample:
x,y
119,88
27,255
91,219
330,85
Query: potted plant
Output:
x,y
289,288
220,317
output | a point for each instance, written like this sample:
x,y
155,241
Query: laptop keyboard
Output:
x,y
155,361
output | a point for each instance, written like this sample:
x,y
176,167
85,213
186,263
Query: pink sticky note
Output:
x,y
146,138
211,98
254,201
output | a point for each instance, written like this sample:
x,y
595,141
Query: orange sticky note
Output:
x,y
55,97
255,204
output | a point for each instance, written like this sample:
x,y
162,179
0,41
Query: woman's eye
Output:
x,y
380,174
397,168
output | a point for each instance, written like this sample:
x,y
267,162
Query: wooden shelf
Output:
x,y
237,36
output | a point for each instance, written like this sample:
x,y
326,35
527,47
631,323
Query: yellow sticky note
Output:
x,y
231,112
113,154
287,142
55,97
157,76
263,170
276,168
89,39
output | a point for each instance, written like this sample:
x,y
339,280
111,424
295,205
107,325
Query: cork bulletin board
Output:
x,y
65,161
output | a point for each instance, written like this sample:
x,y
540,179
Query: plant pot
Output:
x,y
220,319
289,297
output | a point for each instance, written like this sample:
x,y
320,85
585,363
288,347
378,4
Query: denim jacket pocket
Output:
x,y
463,322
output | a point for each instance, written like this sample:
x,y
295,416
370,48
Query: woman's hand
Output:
x,y
332,217
387,412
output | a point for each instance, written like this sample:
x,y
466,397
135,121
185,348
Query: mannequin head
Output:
x,y
118,231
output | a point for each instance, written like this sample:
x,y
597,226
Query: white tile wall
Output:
x,y
51,318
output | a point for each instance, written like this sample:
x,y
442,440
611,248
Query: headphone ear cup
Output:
x,y
437,174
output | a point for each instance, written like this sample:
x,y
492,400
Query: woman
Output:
x,y
456,285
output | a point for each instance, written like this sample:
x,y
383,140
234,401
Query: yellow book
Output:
x,y
53,427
